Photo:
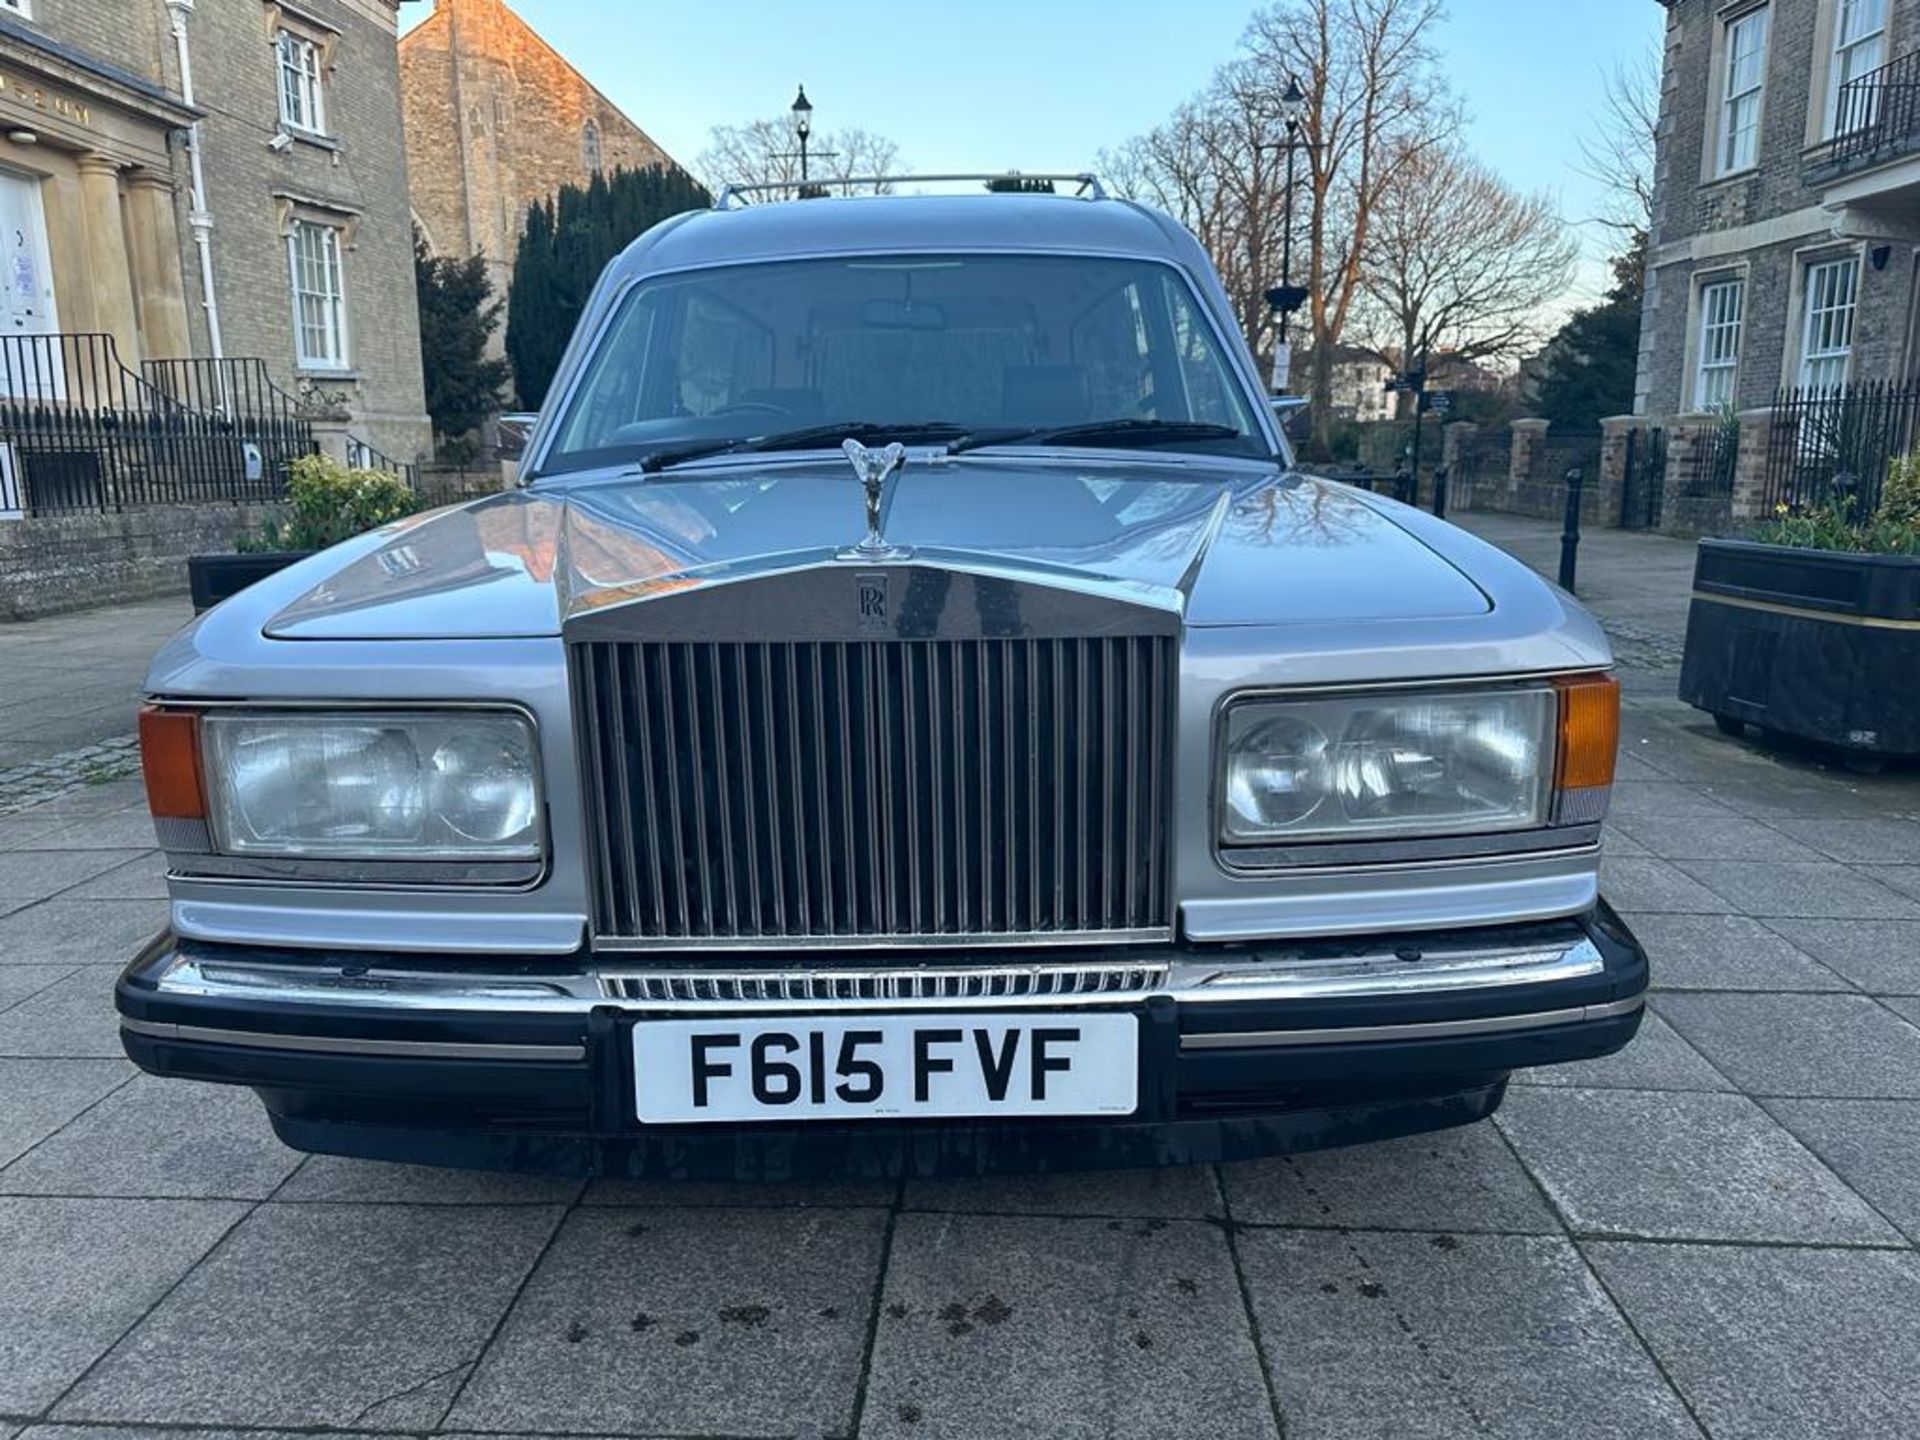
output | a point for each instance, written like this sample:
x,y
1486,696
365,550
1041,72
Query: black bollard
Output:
x,y
1440,493
1570,536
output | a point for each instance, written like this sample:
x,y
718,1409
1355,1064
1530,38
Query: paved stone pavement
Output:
x,y
68,687
1713,1232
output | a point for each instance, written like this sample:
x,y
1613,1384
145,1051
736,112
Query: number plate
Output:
x,y
885,1067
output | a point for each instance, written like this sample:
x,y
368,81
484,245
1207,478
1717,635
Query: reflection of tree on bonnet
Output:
x,y
1288,511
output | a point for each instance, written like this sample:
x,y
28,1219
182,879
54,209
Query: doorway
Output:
x,y
31,363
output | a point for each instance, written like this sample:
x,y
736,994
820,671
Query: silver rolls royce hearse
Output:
x,y
912,716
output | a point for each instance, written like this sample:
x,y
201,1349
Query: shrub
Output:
x,y
330,503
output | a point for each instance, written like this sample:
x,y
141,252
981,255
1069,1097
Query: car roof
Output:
x,y
835,225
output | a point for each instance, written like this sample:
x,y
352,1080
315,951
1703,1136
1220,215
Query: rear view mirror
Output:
x,y
903,315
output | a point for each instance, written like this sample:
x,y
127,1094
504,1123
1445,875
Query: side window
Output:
x,y
1210,391
725,355
1110,345
617,377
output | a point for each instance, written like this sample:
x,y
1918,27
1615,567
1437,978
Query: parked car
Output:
x,y
913,717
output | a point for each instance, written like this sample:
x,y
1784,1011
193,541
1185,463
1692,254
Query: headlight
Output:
x,y
452,785
1372,765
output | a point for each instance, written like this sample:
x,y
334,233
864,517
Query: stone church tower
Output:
x,y
497,121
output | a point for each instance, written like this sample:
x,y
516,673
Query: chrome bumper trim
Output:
x,y
1409,968
1421,1030
347,1045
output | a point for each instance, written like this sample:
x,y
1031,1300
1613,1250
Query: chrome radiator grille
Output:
x,y
876,791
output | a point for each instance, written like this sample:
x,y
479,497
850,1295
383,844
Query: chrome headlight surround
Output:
x,y
1383,768
370,795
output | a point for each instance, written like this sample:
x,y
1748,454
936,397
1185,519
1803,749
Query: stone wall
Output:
x,y
497,121
1765,223
359,178
76,562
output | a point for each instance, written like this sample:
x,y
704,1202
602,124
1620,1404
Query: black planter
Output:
x,y
1815,644
213,578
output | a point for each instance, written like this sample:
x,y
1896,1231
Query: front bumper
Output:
x,y
1244,1050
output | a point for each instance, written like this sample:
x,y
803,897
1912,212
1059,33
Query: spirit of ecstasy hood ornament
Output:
x,y
873,467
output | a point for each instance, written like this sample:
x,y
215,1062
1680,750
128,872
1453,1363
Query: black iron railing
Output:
x,y
362,456
1716,458
1876,117
1828,443
83,433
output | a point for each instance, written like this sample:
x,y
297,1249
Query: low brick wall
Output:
x,y
53,564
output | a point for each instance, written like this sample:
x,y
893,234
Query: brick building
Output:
x,y
497,121
296,212
1785,246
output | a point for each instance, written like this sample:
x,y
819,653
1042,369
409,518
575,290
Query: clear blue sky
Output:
x,y
1045,84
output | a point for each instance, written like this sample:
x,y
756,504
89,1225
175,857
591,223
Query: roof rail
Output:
x,y
732,197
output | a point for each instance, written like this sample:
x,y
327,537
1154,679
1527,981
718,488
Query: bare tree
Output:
x,y
1375,102
1460,263
764,152
1619,153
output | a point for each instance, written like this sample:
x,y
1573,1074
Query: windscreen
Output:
x,y
1020,344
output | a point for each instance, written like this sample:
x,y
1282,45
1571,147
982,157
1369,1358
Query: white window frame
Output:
x,y
1829,311
1716,370
1742,103
22,8
299,66
1856,52
325,301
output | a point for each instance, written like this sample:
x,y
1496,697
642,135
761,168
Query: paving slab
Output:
x,y
29,876
1873,1145
1656,1059
1712,837
74,1018
101,932
774,1195
20,832
1658,1164
1821,890
1375,1336
1017,1326
1778,1344
102,799
692,1321
1882,957
1656,887
1727,952
157,1137
341,1180
1908,1007
19,983
1879,841
144,878
1904,878
1661,801
76,1274
43,1095
322,1315
1174,1192
131,828
1460,1179
1811,1045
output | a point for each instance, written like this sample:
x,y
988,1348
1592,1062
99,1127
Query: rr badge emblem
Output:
x,y
870,592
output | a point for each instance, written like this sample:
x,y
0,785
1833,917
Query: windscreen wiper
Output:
x,y
864,431
1117,434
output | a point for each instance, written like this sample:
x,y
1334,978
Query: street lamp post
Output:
x,y
1286,298
803,127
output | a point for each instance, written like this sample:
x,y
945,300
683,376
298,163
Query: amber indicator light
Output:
x,y
170,760
1589,731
